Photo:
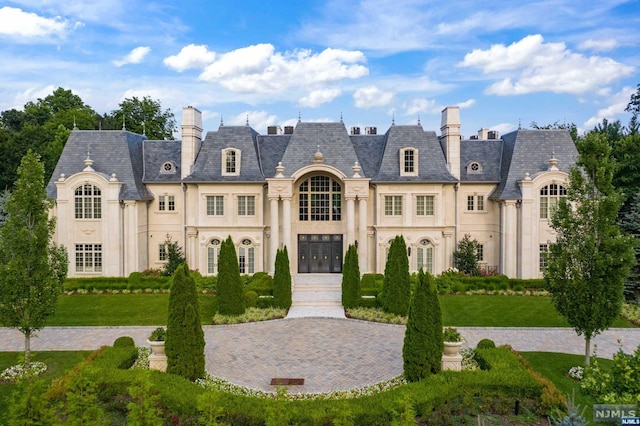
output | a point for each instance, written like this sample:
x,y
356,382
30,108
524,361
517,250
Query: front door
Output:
x,y
320,253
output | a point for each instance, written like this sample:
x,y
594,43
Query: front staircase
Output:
x,y
316,295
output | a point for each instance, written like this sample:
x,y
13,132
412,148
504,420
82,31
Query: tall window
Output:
x,y
320,199
475,202
230,162
162,252
480,253
88,257
393,205
549,198
544,253
215,205
167,203
424,205
213,252
246,205
246,257
88,202
408,162
424,255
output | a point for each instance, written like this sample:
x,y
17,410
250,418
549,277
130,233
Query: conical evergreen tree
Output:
x,y
397,281
351,279
423,341
230,291
282,280
184,344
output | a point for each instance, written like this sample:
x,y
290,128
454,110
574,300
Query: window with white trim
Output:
x,y
393,205
215,205
230,162
88,257
475,203
246,257
162,252
424,255
408,162
246,205
424,205
550,196
88,202
213,253
167,203
544,255
480,253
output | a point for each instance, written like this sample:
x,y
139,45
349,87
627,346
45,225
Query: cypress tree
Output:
x,y
282,280
423,346
397,281
230,291
351,279
184,344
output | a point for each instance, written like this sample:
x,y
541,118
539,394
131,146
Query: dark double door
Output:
x,y
319,253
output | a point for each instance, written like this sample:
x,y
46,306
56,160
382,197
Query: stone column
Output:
x,y
192,250
510,255
363,246
351,220
448,250
275,231
286,224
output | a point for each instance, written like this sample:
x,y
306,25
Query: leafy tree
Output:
x,y
184,344
351,279
32,268
634,104
145,116
591,258
571,127
396,288
175,257
230,292
4,196
423,341
282,280
630,222
466,256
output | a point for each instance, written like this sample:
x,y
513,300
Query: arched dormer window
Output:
x,y
424,255
230,162
213,252
550,196
247,257
408,162
88,202
474,168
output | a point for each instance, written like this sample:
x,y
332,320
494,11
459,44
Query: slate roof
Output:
x,y
529,151
156,154
431,162
271,149
112,151
488,153
369,149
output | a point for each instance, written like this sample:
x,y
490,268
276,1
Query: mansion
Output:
x,y
315,188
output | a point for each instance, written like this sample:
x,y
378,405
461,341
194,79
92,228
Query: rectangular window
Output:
x,y
162,252
408,161
544,207
215,205
212,259
470,203
480,202
393,205
162,203
230,165
424,205
475,202
544,253
88,257
480,253
172,203
246,205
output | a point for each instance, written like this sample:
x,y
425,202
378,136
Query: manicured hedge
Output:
x,y
117,283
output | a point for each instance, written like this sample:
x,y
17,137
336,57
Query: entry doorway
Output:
x,y
319,253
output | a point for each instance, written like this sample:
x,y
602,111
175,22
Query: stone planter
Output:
x,y
452,348
157,348
157,359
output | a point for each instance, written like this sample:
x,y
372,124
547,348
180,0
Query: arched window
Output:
x,y
230,162
88,202
320,199
424,255
213,252
246,257
549,198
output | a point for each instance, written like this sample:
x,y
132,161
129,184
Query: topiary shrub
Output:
x,y
396,289
351,279
282,296
250,299
124,342
230,287
486,344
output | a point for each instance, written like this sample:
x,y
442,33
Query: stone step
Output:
x,y
316,303
318,287
316,295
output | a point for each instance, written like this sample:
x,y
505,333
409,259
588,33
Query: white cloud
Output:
x,y
136,56
534,66
467,104
316,98
24,25
259,69
617,105
371,96
258,120
191,56
421,105
599,45
503,128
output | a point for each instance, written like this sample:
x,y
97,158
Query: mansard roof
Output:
x,y
431,161
487,153
529,151
112,151
156,154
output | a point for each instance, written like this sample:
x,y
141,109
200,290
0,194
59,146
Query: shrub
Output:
x,y
261,283
158,335
620,385
486,344
451,335
396,290
124,342
230,287
282,296
369,283
250,299
351,278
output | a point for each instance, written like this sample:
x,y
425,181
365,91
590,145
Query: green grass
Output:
x,y
57,362
554,367
504,311
121,309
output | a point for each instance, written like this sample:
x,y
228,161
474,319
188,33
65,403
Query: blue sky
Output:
x,y
369,61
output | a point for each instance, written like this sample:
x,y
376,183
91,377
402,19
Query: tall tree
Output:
x,y
4,196
466,256
282,280
230,291
145,116
175,257
423,340
591,258
571,127
396,287
630,222
351,279
185,343
32,268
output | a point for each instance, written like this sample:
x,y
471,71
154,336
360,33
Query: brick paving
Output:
x,y
329,353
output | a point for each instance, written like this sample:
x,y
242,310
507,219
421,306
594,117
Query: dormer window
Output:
x,y
408,162
474,168
230,162
168,168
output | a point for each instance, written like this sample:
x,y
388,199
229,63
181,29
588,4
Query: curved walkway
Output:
x,y
329,353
